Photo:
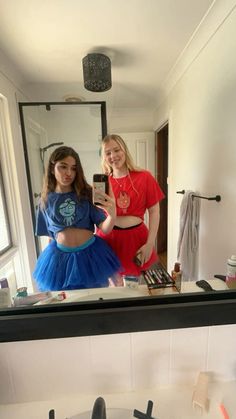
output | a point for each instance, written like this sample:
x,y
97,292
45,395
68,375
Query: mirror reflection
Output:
x,y
119,219
80,126
52,127
75,257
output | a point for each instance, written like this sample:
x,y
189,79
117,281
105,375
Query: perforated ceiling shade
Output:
x,y
97,72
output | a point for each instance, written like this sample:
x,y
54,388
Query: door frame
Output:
x,y
161,163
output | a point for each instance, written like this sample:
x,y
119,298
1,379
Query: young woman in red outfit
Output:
x,y
135,191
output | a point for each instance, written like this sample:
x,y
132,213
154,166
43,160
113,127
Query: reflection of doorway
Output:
x,y
161,139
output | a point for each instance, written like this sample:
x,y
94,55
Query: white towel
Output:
x,y
187,248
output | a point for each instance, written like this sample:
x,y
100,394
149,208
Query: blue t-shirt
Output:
x,y
65,210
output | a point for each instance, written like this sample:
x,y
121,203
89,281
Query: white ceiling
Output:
x,y
47,39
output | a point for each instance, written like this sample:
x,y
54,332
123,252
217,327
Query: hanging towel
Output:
x,y
187,248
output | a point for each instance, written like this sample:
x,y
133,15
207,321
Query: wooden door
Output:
x,y
162,177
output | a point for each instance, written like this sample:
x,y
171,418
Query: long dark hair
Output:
x,y
79,185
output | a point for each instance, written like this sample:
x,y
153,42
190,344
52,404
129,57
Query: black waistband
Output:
x,y
126,228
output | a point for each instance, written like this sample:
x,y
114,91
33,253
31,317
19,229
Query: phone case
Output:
x,y
136,260
100,182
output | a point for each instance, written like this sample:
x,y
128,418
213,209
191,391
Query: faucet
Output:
x,y
147,415
99,409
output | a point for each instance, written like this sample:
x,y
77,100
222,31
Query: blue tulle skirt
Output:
x,y
88,266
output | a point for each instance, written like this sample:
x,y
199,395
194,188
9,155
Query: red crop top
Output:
x,y
135,193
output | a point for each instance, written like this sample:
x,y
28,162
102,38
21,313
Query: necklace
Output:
x,y
121,181
123,199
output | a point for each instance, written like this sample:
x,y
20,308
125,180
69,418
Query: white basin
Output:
x,y
103,293
110,413
94,294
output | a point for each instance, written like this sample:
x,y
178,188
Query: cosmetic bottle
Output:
x,y
5,296
231,272
176,273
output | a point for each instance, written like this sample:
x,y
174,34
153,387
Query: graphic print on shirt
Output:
x,y
123,201
123,198
67,210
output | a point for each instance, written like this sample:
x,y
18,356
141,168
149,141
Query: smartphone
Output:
x,y
100,183
137,259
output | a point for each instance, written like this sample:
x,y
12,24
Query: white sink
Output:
x,y
110,413
104,293
94,294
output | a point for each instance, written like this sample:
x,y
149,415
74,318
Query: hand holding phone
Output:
x,y
100,184
137,259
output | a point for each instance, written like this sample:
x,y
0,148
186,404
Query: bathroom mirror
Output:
x,y
47,125
41,125
123,313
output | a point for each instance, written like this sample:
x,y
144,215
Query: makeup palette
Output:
x,y
158,277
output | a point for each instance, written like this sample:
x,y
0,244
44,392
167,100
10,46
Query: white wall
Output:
x,y
85,367
129,120
202,154
142,148
12,158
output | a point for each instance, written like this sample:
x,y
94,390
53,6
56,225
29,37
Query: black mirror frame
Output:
x,y
118,316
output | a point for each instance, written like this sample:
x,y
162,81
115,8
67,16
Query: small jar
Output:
x,y
131,281
5,296
176,275
231,272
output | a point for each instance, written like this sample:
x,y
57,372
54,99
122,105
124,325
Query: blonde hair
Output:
x,y
128,158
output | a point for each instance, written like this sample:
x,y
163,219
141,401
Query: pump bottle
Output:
x,y
231,272
176,273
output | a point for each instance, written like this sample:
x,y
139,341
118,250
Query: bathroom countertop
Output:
x,y
169,403
190,286
126,292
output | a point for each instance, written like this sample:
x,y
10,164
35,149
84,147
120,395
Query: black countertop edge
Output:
x,y
158,300
118,316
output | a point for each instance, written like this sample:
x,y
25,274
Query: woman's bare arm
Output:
x,y
154,219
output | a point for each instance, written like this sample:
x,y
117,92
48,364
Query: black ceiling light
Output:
x,y
97,72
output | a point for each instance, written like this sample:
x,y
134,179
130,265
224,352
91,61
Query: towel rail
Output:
x,y
216,198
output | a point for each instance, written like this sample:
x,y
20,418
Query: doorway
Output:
x,y
161,146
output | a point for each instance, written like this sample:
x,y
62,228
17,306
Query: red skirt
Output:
x,y
125,243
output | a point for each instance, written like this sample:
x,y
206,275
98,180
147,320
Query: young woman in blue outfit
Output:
x,y
75,257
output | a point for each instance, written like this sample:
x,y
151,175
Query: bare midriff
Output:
x,y
73,237
125,221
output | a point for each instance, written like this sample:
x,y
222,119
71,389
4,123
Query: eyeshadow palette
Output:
x,y
158,277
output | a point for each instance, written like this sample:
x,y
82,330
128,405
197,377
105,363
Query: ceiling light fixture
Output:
x,y
73,98
97,72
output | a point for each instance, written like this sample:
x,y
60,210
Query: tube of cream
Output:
x,y
224,411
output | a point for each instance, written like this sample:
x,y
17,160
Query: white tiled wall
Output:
x,y
151,358
50,369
